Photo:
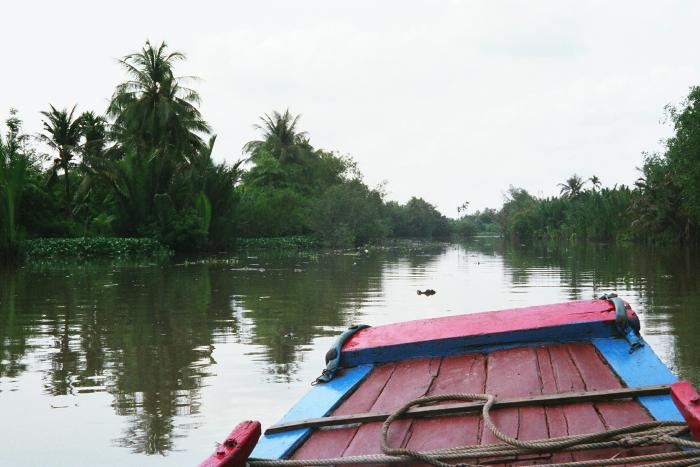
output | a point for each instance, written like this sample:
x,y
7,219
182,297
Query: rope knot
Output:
x,y
638,439
628,441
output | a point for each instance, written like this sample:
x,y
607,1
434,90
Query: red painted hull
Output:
x,y
236,448
687,400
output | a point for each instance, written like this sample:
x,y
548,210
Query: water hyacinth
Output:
x,y
95,247
299,242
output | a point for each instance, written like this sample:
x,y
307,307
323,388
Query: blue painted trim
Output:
x,y
641,368
318,402
573,332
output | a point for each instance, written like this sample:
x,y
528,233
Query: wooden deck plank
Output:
x,y
410,379
509,373
463,374
615,414
566,375
594,371
556,420
533,420
328,443
624,413
533,424
599,376
581,417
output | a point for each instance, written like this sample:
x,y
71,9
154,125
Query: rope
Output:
x,y
641,434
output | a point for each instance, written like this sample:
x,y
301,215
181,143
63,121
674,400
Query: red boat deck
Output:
x,y
507,373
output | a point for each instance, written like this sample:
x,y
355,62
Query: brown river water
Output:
x,y
149,364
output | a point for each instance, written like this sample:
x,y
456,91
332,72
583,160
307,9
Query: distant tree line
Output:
x,y
663,205
145,169
587,214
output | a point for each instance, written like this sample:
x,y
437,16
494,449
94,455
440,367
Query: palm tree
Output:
x,y
280,138
572,187
62,133
153,110
595,181
94,129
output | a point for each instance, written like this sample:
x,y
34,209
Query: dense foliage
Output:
x,y
586,214
664,204
145,169
480,223
417,219
15,164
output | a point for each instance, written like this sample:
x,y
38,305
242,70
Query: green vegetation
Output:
x,y
145,169
63,133
480,223
600,215
95,247
417,219
15,162
299,242
664,204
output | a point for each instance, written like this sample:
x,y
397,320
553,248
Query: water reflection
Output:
x,y
13,342
142,334
147,335
290,301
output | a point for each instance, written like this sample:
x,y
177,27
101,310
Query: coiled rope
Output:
x,y
641,434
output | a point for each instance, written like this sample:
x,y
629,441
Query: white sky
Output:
x,y
447,100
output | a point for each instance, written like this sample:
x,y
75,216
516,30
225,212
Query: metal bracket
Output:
x,y
623,325
333,355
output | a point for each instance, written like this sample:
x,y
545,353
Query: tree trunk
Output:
x,y
67,185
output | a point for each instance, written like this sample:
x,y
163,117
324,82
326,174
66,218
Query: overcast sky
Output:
x,y
446,100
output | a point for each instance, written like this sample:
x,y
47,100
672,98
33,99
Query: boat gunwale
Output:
x,y
577,321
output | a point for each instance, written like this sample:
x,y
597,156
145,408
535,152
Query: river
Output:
x,y
150,363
